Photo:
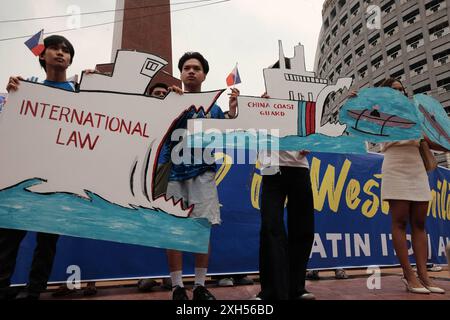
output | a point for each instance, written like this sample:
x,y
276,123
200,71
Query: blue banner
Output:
x,y
352,226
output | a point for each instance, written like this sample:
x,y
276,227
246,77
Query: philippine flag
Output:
x,y
36,43
233,78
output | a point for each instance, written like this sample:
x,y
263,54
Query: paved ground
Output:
x,y
327,288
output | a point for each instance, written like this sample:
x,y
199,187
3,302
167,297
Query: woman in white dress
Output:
x,y
405,186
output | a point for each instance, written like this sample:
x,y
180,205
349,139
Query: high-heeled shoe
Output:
x,y
433,289
421,290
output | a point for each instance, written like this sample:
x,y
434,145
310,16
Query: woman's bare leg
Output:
x,y
400,212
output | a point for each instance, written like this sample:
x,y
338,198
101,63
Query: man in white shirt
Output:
x,y
283,257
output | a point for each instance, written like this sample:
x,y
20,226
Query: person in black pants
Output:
x,y
41,266
283,258
56,57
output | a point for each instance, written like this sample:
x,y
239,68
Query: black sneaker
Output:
x,y
312,275
146,285
24,295
201,293
63,291
243,281
8,293
90,290
167,284
180,294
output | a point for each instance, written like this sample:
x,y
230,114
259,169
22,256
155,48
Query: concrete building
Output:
x,y
370,40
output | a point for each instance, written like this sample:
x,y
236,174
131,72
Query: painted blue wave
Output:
x,y
98,219
246,140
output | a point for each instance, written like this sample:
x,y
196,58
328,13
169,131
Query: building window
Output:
x,y
394,52
333,14
434,6
362,72
418,67
336,49
399,74
338,69
357,30
388,7
444,84
373,41
391,29
411,18
334,31
343,21
346,40
441,58
439,31
414,42
422,89
378,83
348,60
360,51
377,63
355,9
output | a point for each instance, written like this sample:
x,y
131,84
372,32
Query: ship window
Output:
x,y
151,66
423,89
291,95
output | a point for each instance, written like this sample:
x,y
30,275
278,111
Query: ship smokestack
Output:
x,y
281,53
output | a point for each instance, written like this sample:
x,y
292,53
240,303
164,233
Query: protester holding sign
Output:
x,y
405,186
192,179
56,57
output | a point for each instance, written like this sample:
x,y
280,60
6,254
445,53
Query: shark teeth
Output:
x,y
175,207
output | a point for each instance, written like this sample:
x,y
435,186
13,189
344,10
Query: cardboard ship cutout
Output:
x,y
100,143
289,79
293,118
293,114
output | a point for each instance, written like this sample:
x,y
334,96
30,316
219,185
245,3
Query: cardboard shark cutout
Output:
x,y
433,119
381,114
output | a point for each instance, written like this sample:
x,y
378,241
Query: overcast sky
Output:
x,y
243,31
